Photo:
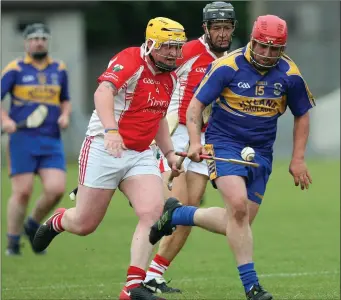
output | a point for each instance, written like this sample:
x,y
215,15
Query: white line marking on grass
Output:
x,y
274,275
74,286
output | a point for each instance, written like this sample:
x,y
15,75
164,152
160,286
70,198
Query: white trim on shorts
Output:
x,y
99,169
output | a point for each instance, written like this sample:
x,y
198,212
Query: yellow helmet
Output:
x,y
163,30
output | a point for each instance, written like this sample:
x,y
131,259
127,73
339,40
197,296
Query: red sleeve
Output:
x,y
174,78
180,61
189,50
185,55
120,69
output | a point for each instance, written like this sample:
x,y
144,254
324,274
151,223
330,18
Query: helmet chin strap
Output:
x,y
146,50
260,66
162,67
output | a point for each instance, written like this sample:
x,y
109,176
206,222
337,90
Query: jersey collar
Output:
x,y
247,55
202,40
28,60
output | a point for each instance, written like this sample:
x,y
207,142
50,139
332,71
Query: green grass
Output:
x,y
297,248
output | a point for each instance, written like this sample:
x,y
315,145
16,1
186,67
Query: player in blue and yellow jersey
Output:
x,y
36,79
249,90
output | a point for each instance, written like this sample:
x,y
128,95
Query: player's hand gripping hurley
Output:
x,y
34,120
178,165
229,160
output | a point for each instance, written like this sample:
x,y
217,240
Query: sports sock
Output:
x,y
248,276
13,239
184,215
32,224
157,268
57,221
135,276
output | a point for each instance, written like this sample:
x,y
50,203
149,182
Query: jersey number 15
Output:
x,y
259,90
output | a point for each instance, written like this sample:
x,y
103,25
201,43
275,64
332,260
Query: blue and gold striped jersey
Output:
x,y
246,103
30,86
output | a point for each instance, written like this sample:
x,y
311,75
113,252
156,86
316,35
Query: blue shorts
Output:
x,y
256,178
29,153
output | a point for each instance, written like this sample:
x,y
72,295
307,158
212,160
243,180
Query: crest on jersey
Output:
x,y
41,78
117,68
277,89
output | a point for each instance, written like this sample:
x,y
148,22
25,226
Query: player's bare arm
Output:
x,y
7,124
301,134
4,114
298,168
165,144
194,120
66,108
163,138
194,125
64,118
104,103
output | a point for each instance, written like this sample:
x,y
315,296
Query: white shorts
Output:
x,y
99,169
180,140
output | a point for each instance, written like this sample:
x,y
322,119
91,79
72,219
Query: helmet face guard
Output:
x,y
167,36
268,41
275,53
36,31
166,47
218,12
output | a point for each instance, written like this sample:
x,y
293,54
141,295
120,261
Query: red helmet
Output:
x,y
270,31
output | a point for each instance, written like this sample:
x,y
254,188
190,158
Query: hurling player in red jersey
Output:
x,y
219,22
131,102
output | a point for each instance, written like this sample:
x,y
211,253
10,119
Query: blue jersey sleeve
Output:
x,y
7,82
213,83
299,98
64,94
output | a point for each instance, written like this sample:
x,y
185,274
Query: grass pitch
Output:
x,y
296,235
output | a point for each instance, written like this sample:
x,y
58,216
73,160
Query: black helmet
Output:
x,y
218,12
36,30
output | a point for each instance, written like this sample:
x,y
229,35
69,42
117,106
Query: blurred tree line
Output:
x,y
123,23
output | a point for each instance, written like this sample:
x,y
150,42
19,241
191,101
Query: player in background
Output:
x,y
219,22
250,89
36,79
131,103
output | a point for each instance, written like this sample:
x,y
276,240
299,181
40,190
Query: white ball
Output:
x,y
248,154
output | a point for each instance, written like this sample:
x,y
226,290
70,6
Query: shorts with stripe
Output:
x,y
99,169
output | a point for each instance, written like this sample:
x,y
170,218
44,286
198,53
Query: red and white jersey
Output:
x,y
196,58
142,100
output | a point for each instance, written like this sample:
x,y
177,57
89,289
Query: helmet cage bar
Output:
x,y
269,44
228,21
168,43
38,55
209,38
